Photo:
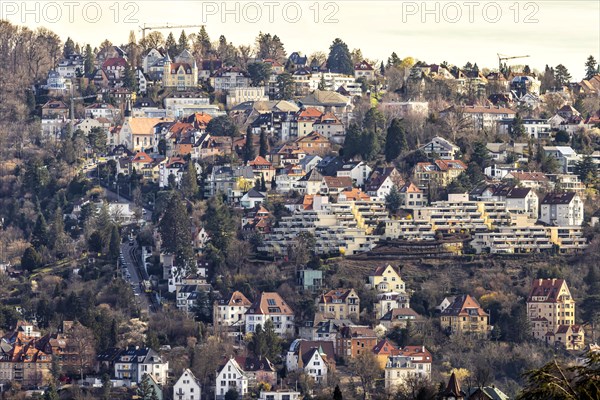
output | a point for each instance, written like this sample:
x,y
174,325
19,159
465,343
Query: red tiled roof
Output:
x,y
141,157
270,303
338,182
259,161
309,114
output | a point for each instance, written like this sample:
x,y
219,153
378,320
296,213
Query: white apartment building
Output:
x,y
444,149
412,362
567,157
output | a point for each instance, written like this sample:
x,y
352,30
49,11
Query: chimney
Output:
x,y
553,281
541,280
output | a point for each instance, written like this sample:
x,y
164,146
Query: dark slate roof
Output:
x,y
558,198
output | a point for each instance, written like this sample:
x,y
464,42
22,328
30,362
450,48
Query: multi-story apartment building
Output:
x,y
270,306
337,228
231,311
565,208
229,78
339,304
134,362
438,173
551,312
331,127
465,316
408,229
72,66
567,157
410,362
481,117
354,340
440,147
531,238
459,214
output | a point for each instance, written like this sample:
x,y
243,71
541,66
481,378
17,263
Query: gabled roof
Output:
x,y
312,137
238,299
464,305
303,346
114,62
144,126
235,365
325,98
141,157
363,66
328,119
355,194
306,357
344,182
410,188
488,392
530,176
547,288
253,364
385,347
381,269
187,373
259,160
270,303
312,176
336,294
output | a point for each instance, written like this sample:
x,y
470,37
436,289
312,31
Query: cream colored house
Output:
x,y
339,304
386,279
182,73
138,133
465,316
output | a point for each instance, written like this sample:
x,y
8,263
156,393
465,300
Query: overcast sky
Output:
x,y
550,32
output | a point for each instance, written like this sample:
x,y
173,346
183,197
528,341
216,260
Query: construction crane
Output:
x,y
167,26
73,104
502,57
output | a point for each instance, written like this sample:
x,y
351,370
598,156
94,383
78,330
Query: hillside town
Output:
x,y
188,219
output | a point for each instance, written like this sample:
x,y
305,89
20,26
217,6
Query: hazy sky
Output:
x,y
550,32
